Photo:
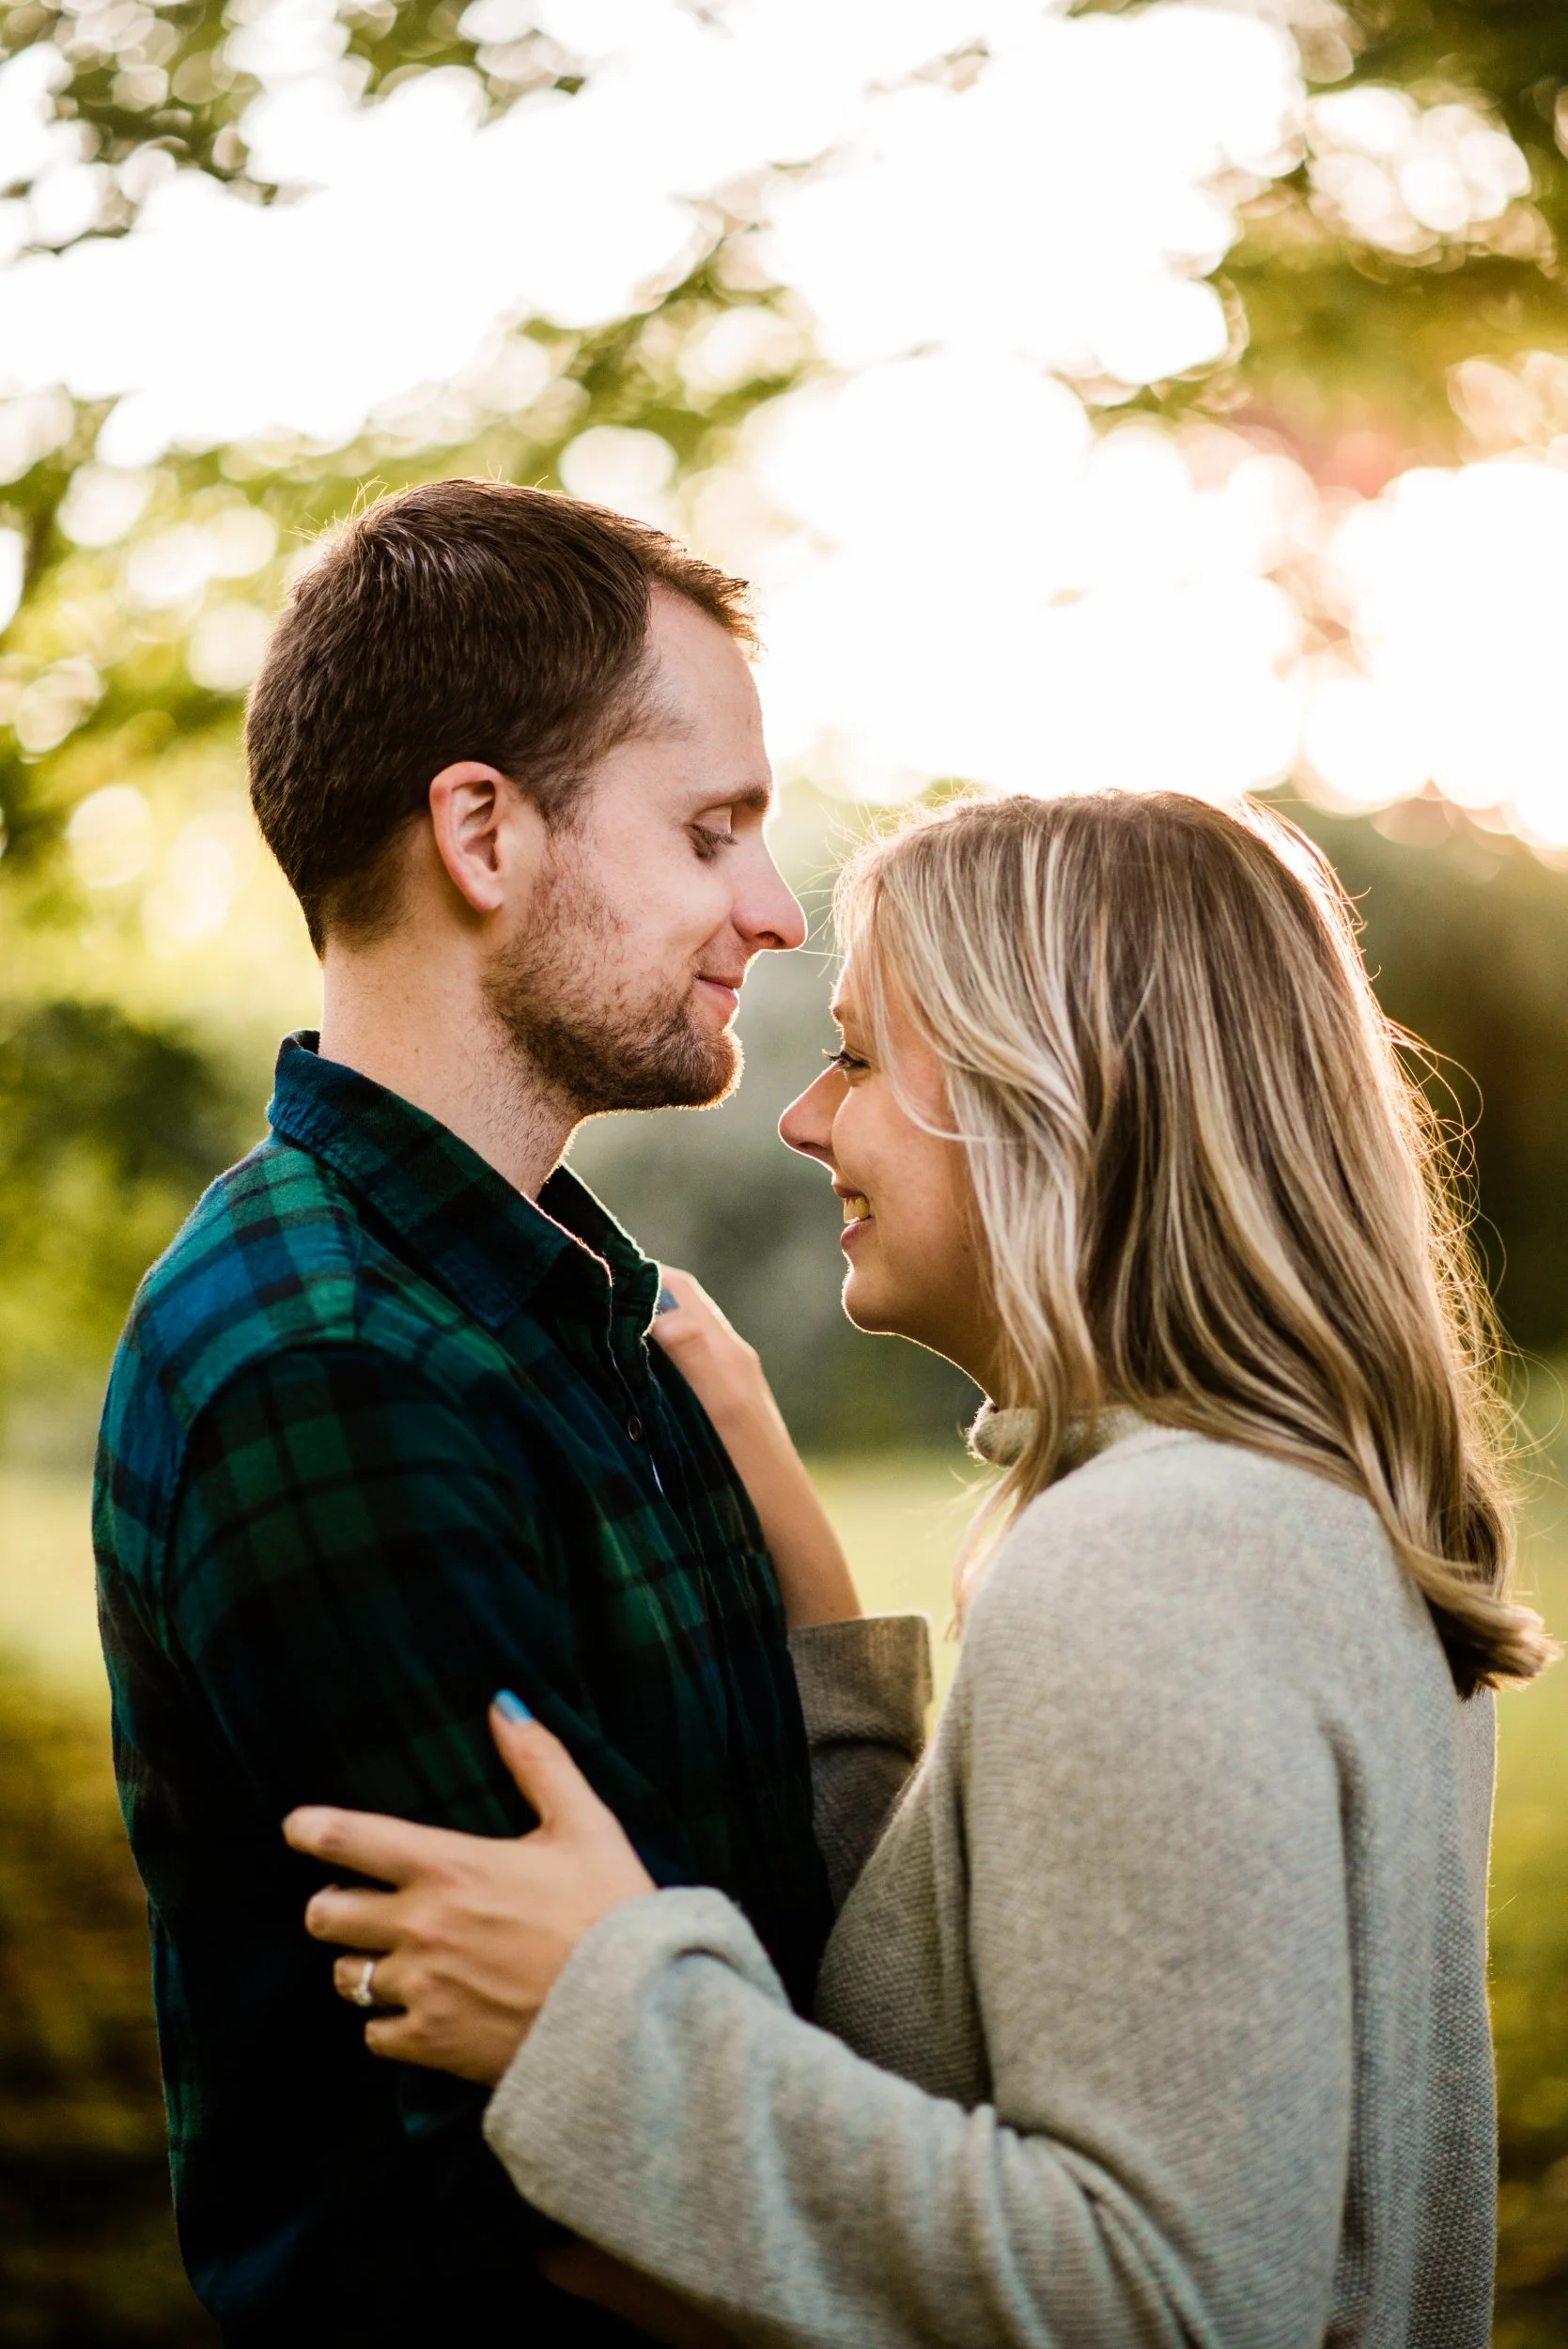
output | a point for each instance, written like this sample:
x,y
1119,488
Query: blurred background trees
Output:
x,y
1355,317
146,957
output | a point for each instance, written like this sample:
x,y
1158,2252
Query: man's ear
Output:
x,y
484,831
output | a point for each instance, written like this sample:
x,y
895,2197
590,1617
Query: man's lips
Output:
x,y
726,990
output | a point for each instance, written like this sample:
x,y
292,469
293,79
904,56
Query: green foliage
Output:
x,y
1467,936
1342,332
1511,53
1530,2011
87,2253
163,82
1530,1931
149,80
1340,339
108,1129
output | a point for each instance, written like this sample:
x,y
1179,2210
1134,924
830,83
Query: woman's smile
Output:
x,y
857,1208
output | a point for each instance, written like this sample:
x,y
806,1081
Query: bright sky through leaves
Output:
x,y
958,577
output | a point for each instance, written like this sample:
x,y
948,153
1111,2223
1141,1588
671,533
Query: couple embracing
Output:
x,y
469,1613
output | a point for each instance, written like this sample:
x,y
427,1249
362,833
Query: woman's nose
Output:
x,y
807,1124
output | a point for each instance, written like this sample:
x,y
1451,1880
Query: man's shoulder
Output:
x,y
276,1257
268,1258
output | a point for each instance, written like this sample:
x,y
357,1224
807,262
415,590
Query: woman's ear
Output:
x,y
483,830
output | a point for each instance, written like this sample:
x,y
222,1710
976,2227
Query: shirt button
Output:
x,y
634,1428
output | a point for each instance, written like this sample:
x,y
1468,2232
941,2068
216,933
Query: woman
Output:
x,y
1157,2014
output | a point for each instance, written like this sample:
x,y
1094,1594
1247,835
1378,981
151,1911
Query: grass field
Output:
x,y
86,2254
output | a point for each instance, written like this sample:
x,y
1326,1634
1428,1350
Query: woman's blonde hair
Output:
x,y
1205,1186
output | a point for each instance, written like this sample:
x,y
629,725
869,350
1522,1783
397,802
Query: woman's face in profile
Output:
x,y
913,1267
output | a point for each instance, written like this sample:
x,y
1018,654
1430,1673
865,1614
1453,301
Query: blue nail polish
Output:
x,y
668,1303
512,1708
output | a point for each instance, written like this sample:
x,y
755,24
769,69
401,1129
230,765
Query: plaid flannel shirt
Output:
x,y
382,1438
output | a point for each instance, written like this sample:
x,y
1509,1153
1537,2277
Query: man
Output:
x,y
384,1433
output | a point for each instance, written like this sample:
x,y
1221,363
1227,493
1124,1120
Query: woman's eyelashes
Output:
x,y
845,1059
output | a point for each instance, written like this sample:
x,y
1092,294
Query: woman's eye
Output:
x,y
844,1060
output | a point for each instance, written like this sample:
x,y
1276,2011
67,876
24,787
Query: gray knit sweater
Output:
x,y
1157,2014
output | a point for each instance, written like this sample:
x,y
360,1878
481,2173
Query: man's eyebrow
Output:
x,y
751,799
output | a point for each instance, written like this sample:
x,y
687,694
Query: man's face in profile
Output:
x,y
620,978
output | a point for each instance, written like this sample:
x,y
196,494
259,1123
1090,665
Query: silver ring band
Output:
x,y
363,1991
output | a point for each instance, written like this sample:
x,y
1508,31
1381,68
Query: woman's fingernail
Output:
x,y
512,1708
668,1303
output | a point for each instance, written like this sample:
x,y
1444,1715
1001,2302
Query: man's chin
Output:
x,y
701,1074
711,1076
678,1062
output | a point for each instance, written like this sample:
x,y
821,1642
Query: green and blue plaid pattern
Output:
x,y
382,1438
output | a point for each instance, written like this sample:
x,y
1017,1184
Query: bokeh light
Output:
x,y
1010,222
1454,591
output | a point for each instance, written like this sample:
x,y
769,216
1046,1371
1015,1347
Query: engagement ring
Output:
x,y
363,1991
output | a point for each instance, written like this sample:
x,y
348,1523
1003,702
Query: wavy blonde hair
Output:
x,y
1204,1185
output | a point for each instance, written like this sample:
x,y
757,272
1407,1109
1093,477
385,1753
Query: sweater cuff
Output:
x,y
575,2054
866,1680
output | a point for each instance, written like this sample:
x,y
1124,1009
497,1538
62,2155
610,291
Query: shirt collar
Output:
x,y
487,1245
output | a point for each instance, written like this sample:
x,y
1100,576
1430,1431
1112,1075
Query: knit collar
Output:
x,y
1000,1437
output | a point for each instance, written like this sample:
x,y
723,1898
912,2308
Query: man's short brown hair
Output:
x,y
463,619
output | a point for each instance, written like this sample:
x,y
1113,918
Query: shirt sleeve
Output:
x,y
1152,1913
352,1574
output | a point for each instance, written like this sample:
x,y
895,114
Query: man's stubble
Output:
x,y
553,991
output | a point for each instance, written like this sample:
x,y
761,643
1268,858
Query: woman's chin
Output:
x,y
871,1308
875,1315
852,1296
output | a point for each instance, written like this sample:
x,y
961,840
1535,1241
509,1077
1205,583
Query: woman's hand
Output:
x,y
727,1378
477,1927
711,1355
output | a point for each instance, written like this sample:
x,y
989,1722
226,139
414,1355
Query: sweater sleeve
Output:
x,y
1157,1924
866,1687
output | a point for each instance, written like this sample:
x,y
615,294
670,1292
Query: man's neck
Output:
x,y
444,1051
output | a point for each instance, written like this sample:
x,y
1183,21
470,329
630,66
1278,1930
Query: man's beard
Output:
x,y
547,990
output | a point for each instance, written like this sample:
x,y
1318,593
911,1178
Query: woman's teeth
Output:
x,y
855,1205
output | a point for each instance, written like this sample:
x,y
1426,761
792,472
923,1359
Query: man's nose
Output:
x,y
768,916
807,1124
